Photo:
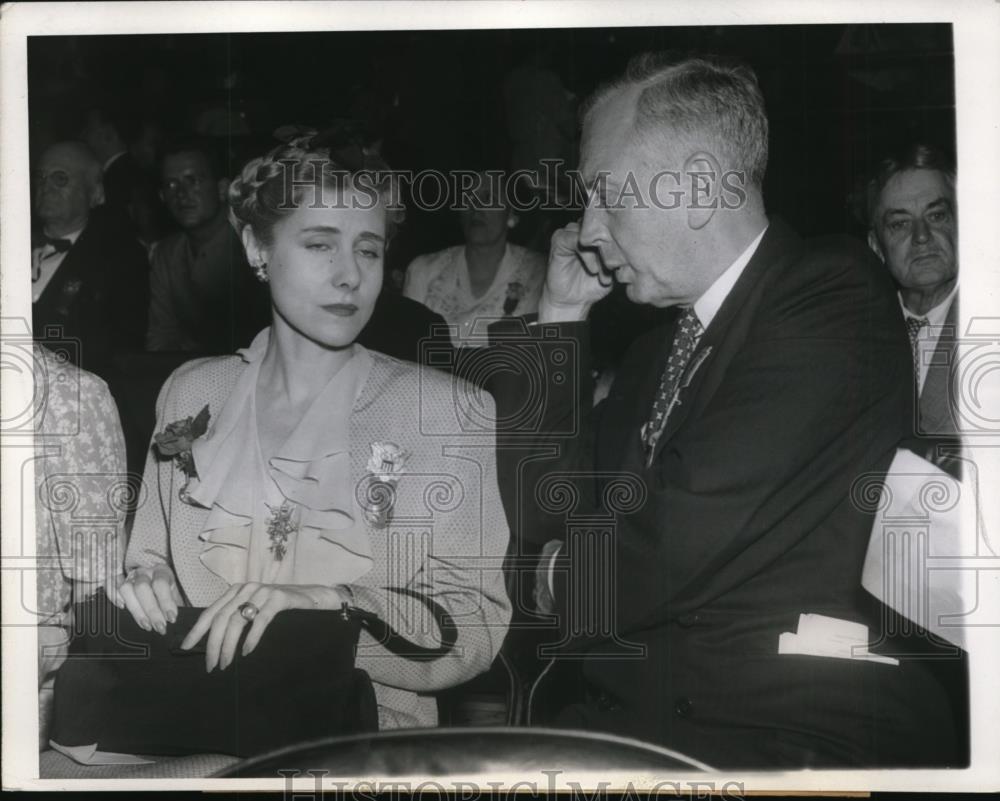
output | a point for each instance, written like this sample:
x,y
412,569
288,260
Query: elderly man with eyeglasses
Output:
x,y
88,275
203,297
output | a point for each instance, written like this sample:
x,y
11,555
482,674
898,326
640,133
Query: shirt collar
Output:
x,y
708,305
937,315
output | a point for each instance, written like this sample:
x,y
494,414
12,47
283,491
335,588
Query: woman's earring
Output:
x,y
260,270
512,221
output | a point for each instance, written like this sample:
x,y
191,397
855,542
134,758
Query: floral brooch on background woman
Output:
x,y
515,291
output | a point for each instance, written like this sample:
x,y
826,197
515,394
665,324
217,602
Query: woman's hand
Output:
x,y
150,594
224,620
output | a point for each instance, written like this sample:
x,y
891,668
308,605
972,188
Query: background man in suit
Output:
x,y
914,230
88,275
737,629
203,295
129,192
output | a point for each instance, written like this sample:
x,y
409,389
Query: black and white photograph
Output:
x,y
551,396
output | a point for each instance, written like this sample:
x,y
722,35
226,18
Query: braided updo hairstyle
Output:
x,y
272,186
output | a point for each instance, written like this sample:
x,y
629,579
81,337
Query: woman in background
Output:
x,y
81,493
484,279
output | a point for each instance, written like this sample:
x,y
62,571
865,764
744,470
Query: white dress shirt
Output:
x,y
45,260
708,305
929,335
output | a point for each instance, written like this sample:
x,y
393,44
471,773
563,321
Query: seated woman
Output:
x,y
270,507
81,493
482,280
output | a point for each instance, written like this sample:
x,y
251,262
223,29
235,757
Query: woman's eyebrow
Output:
x,y
320,229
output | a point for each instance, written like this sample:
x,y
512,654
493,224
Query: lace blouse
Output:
x,y
441,282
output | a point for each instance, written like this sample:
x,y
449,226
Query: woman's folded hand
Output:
x,y
254,604
149,593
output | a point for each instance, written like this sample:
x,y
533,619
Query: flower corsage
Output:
x,y
385,466
176,440
515,291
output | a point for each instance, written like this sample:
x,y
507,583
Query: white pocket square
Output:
x,y
819,635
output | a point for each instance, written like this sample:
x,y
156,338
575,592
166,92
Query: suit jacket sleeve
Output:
x,y
128,290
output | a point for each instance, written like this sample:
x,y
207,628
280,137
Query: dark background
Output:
x,y
837,95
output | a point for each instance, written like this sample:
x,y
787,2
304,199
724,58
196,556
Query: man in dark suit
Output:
x,y
89,277
913,221
129,193
408,330
708,578
914,231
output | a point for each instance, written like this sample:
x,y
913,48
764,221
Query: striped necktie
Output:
x,y
914,325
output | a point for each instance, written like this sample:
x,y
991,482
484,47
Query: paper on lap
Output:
x,y
925,548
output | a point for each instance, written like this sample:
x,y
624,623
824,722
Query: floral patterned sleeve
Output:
x,y
81,486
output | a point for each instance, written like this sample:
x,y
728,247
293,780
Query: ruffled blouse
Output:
x,y
292,518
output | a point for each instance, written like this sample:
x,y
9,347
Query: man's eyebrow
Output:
x,y
934,204
939,202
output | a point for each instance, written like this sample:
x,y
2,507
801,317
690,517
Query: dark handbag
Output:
x,y
133,691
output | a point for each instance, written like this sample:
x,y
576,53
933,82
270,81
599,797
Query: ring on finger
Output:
x,y
248,611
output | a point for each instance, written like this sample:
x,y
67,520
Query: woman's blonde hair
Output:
x,y
272,186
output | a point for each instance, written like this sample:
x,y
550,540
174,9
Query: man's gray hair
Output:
x,y
912,156
702,99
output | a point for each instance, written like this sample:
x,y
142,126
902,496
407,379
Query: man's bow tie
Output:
x,y
59,245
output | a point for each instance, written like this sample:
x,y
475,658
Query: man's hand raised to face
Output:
x,y
575,281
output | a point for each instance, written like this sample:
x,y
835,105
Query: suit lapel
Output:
x,y
725,334
65,286
935,398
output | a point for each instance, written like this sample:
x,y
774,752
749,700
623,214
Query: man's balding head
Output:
x,y
67,186
700,103
673,156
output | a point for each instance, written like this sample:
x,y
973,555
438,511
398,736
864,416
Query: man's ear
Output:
x,y
256,252
97,197
223,187
704,175
875,246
